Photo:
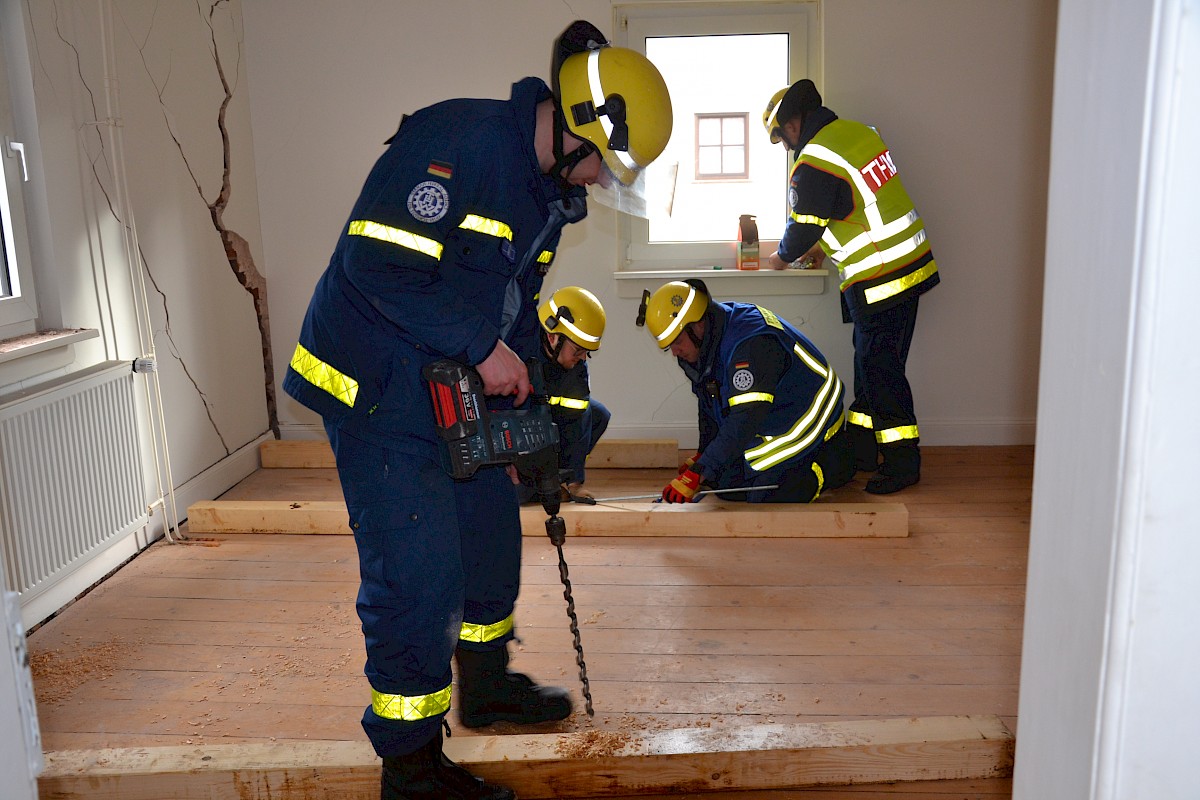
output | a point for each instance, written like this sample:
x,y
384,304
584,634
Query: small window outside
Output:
x,y
721,63
721,146
18,303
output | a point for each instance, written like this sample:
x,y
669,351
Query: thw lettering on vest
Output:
x,y
879,170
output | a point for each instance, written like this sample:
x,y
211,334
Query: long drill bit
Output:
x,y
556,529
591,501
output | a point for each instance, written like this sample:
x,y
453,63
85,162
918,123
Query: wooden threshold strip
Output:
x,y
612,453
585,764
705,519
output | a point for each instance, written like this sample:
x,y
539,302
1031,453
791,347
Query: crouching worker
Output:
x,y
770,405
572,324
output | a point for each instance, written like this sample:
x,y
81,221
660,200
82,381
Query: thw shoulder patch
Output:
x,y
770,318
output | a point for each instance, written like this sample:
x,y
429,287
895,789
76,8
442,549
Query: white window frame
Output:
x,y
722,147
634,22
19,314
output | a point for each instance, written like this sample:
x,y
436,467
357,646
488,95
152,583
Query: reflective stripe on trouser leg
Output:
x,y
882,391
410,598
490,532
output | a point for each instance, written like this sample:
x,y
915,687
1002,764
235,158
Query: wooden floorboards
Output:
x,y
252,638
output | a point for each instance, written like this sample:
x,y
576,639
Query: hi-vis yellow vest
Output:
x,y
881,247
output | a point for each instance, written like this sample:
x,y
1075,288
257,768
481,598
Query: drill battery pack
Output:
x,y
474,435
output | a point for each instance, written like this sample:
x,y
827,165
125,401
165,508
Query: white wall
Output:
x,y
961,91
126,155
1112,638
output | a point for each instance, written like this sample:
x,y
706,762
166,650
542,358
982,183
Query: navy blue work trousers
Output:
x,y
432,551
881,389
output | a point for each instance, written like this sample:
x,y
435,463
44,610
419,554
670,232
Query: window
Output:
x,y
721,146
18,305
722,62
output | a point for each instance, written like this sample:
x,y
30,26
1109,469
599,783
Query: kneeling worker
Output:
x,y
770,405
572,324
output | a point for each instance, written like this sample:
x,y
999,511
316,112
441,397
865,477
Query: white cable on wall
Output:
x,y
146,363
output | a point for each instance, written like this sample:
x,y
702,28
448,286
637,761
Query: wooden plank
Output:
x,y
635,454
816,520
735,520
296,453
268,516
587,764
616,453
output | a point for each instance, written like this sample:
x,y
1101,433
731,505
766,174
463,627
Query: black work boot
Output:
x,y
427,774
866,450
901,467
488,692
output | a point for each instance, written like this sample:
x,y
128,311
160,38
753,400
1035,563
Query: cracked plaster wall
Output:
x,y
170,95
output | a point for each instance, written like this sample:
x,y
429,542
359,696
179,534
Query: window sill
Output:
x,y
33,343
727,282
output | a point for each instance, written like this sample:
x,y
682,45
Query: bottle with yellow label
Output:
x,y
747,245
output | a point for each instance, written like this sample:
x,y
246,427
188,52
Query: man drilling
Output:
x,y
441,258
770,405
572,324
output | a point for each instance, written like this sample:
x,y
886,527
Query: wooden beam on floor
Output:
x,y
582,764
268,516
713,518
635,454
296,454
608,453
705,519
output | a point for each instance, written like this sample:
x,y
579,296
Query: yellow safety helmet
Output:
x,y
672,307
576,314
771,115
788,103
616,99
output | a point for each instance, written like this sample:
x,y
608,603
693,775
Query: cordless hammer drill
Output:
x,y
474,436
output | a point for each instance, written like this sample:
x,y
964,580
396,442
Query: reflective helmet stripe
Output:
x,y
598,100
572,327
672,330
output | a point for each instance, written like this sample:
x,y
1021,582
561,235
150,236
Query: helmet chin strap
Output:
x,y
565,163
556,349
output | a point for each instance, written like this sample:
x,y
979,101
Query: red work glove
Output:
x,y
683,489
689,463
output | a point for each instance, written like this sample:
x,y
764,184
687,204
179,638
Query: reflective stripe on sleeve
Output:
x,y
323,376
751,397
488,227
809,219
568,402
386,233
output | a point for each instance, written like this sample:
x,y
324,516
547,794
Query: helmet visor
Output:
x,y
650,191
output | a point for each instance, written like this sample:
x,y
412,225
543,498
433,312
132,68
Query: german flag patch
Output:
x,y
441,169
742,365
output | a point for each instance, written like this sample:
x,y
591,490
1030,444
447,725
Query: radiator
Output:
x,y
71,478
